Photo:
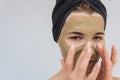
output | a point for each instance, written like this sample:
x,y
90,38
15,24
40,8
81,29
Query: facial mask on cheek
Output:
x,y
77,53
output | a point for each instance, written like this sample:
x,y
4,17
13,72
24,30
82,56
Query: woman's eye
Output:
x,y
76,38
97,38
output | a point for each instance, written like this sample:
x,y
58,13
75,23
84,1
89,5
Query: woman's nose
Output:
x,y
92,43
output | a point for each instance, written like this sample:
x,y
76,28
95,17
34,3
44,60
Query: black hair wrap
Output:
x,y
64,7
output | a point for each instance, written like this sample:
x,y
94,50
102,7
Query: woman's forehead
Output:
x,y
83,23
82,13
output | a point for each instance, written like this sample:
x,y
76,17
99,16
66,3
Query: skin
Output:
x,y
81,41
77,32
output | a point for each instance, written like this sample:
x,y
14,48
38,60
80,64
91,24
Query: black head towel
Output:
x,y
64,7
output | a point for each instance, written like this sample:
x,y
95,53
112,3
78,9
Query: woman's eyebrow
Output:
x,y
78,33
99,33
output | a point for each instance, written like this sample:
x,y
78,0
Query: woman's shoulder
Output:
x,y
116,78
56,76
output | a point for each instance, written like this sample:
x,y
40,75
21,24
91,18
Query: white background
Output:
x,y
27,49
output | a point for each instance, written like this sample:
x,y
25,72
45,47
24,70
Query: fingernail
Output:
x,y
89,50
72,47
99,45
88,44
89,47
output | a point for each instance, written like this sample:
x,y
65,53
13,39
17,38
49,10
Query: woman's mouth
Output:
x,y
91,66
92,63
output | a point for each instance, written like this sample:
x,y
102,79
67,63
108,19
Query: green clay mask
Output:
x,y
95,57
85,25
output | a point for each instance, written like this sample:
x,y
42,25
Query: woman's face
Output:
x,y
79,28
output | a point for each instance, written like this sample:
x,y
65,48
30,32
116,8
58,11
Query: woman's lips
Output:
x,y
92,61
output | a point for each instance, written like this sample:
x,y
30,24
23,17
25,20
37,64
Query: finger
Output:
x,y
106,62
114,55
101,53
82,65
101,72
70,58
108,65
94,74
83,53
100,50
63,65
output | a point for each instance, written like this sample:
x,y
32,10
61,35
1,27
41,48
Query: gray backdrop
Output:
x,y
27,49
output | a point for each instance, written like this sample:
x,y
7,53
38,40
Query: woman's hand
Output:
x,y
99,72
79,72
107,63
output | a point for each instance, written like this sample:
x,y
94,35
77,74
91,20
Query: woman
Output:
x,y
78,28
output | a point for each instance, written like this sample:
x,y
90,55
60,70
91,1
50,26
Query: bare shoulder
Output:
x,y
53,78
116,78
56,77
